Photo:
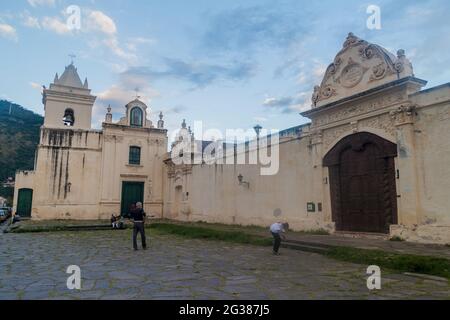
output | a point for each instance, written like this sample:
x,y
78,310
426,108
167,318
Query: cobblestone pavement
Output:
x,y
33,266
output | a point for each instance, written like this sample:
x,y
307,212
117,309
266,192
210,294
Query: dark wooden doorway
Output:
x,y
132,192
362,183
24,203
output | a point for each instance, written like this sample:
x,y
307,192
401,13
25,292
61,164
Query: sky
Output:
x,y
230,64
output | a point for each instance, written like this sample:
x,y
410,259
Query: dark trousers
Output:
x,y
139,228
276,242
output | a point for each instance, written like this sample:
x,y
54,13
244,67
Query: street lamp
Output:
x,y
242,182
258,129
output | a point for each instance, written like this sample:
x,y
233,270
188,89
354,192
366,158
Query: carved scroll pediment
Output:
x,y
358,67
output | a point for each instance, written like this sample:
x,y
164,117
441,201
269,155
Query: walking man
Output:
x,y
138,216
277,230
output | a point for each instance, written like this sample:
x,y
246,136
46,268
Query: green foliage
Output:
x,y
19,136
39,229
210,234
394,261
8,194
316,232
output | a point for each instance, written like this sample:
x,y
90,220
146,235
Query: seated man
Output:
x,y
113,222
120,224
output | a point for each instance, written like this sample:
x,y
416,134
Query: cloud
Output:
x,y
119,94
55,24
116,96
319,70
307,73
9,32
30,21
36,3
245,28
4,96
174,110
100,22
133,43
260,119
199,74
115,47
95,23
35,85
278,102
289,104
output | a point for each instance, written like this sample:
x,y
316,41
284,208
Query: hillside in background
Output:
x,y
19,136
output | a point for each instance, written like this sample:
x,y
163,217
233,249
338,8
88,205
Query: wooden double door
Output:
x,y
362,183
132,193
24,203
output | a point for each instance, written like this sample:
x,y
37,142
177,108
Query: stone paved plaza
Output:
x,y
33,266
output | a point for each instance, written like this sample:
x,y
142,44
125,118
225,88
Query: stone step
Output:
x,y
359,235
88,227
304,247
310,243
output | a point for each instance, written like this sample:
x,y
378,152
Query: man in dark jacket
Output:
x,y
138,216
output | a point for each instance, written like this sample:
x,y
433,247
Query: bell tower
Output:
x,y
68,102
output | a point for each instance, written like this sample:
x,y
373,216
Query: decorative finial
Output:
x,y
351,39
183,125
161,121
56,78
401,53
108,116
316,95
86,84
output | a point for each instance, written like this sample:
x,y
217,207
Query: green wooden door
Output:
x,y
24,203
132,192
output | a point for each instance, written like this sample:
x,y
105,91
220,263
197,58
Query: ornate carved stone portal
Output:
x,y
360,66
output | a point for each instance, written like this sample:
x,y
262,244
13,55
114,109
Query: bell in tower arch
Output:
x,y
69,118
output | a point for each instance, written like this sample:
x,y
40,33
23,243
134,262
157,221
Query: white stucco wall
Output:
x,y
216,196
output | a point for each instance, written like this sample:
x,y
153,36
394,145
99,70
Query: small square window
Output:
x,y
135,156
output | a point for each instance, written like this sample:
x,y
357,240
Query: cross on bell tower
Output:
x,y
72,57
137,93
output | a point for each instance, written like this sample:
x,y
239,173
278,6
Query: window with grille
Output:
x,y
136,117
135,156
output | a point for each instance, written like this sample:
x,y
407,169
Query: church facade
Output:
x,y
81,173
374,159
